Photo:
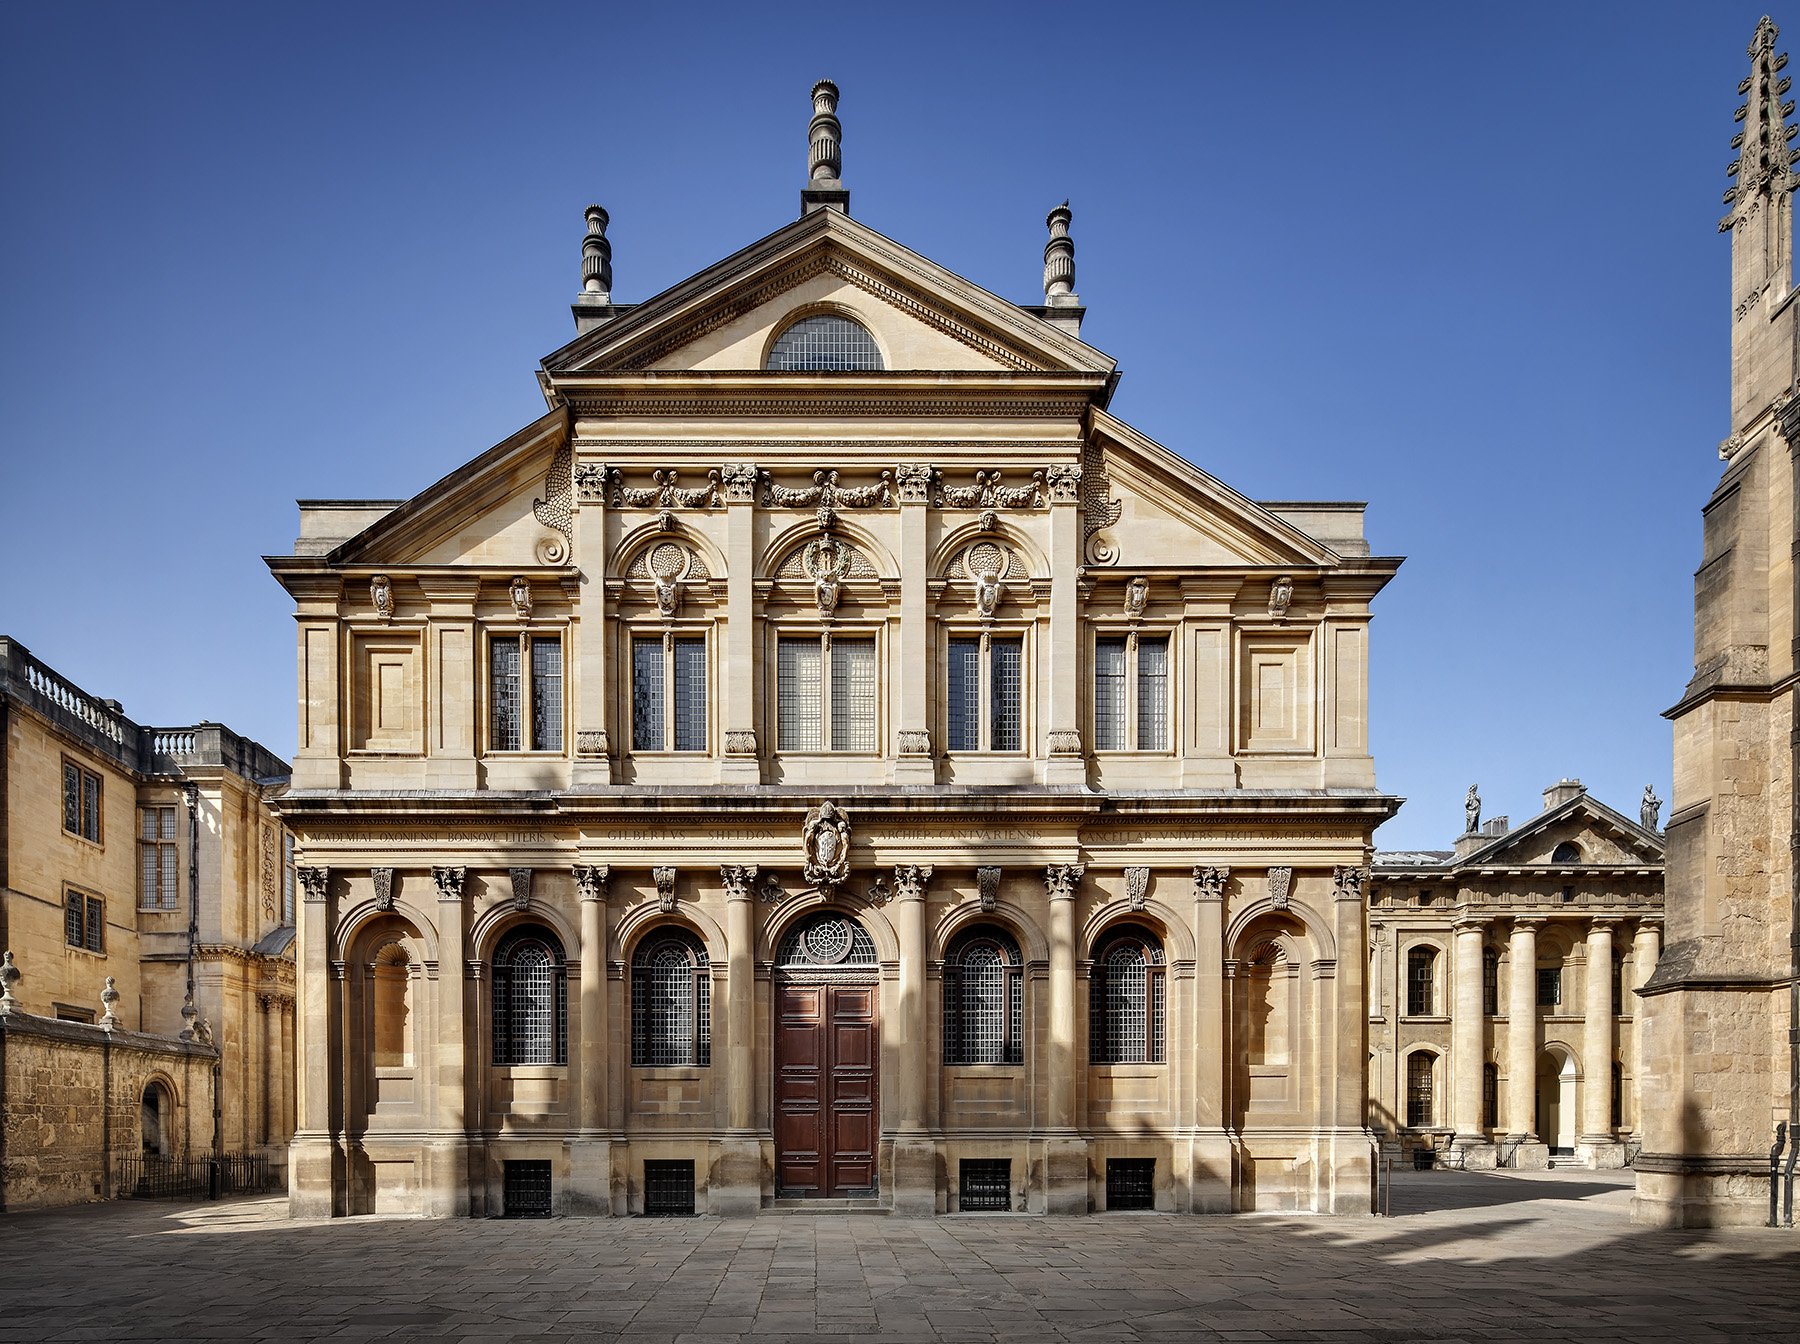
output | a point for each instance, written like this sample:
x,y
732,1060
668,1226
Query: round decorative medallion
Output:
x,y
986,558
667,560
829,941
551,550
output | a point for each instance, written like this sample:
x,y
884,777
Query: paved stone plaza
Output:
x,y
1465,1257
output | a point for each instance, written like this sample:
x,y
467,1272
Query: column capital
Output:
x,y
1472,923
910,880
1529,923
739,880
1649,924
449,882
591,880
315,881
1209,882
1060,880
1604,923
739,480
913,480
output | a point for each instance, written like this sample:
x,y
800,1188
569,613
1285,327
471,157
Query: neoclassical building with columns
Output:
x,y
1504,1025
828,756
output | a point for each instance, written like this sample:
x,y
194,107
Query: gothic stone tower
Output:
x,y
1719,1010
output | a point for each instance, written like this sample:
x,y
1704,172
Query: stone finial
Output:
x,y
1059,260
824,154
189,1014
596,256
1764,163
9,976
109,1020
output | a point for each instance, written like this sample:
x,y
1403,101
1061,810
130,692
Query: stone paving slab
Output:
x,y
1474,1257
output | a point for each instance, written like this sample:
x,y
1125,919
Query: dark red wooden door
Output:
x,y
826,1056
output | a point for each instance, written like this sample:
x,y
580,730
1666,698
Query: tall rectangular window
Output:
x,y
1549,986
287,878
546,693
668,693
984,697
1153,693
1109,694
158,883
853,695
81,801
84,922
503,695
799,693
1421,976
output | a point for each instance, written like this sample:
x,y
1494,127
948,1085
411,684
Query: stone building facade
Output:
x,y
1551,925
829,756
1723,1010
109,830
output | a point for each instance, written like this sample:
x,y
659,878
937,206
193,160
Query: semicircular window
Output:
x,y
825,342
826,941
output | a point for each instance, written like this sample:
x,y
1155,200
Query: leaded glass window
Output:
x,y
690,694
799,711
1421,982
646,695
963,701
1153,693
525,693
81,801
1549,986
853,695
157,862
983,697
1490,982
546,693
530,999
1131,693
287,878
1127,1001
671,1002
826,941
1109,694
1420,1068
984,992
1006,659
668,693
826,698
503,695
84,922
825,342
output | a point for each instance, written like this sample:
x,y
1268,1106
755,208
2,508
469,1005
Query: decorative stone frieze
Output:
x,y
591,880
987,888
989,493
383,879
449,881
665,888
825,492
665,491
521,887
315,882
1281,881
1137,887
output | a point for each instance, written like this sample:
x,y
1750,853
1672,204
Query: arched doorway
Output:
x,y
1556,1079
827,1050
153,1111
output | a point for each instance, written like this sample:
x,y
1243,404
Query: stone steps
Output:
x,y
804,1206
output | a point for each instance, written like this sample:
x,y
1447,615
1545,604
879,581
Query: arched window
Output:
x,y
1567,852
1490,1095
390,1001
1421,982
1125,1005
671,1001
531,999
984,998
1420,1067
825,342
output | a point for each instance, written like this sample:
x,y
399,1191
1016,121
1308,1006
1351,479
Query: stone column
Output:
x,y
592,633
1064,763
316,1161
736,1187
1646,947
1343,984
916,669
1597,1144
1468,1037
1522,1046
1065,1150
915,1156
445,1187
589,1188
742,763
1210,1055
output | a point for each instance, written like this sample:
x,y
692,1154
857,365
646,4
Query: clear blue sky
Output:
x,y
1457,261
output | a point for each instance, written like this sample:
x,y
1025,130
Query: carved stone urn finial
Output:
x,y
1059,259
9,976
596,256
109,1020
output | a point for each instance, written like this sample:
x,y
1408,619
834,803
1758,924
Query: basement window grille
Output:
x,y
669,1188
526,1190
984,1185
1130,1183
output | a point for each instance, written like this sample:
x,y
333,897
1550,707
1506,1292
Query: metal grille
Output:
x,y
546,694
690,694
1420,969
984,993
1153,694
853,695
964,706
1130,1183
503,695
669,1188
1549,987
984,1185
1126,1002
824,343
1006,657
1109,695
1419,1066
646,695
525,1190
799,709
827,940
671,1019
530,1001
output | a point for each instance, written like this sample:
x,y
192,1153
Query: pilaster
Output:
x,y
735,1187
316,1162
590,1156
1064,761
1065,1152
592,693
914,763
742,762
453,660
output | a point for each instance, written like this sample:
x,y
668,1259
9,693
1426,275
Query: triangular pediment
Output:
x,y
922,316
1165,510
1600,835
509,508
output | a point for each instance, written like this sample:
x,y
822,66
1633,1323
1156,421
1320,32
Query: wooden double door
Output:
x,y
827,1116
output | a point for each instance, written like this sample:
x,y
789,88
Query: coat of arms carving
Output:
x,y
826,839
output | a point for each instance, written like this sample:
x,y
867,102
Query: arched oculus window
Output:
x,y
984,999
826,942
1420,1067
1567,852
825,342
671,1001
1125,1002
531,999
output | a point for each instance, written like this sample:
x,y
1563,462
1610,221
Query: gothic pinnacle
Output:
x,y
1764,163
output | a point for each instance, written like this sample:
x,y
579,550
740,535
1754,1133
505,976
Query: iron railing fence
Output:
x,y
209,1176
